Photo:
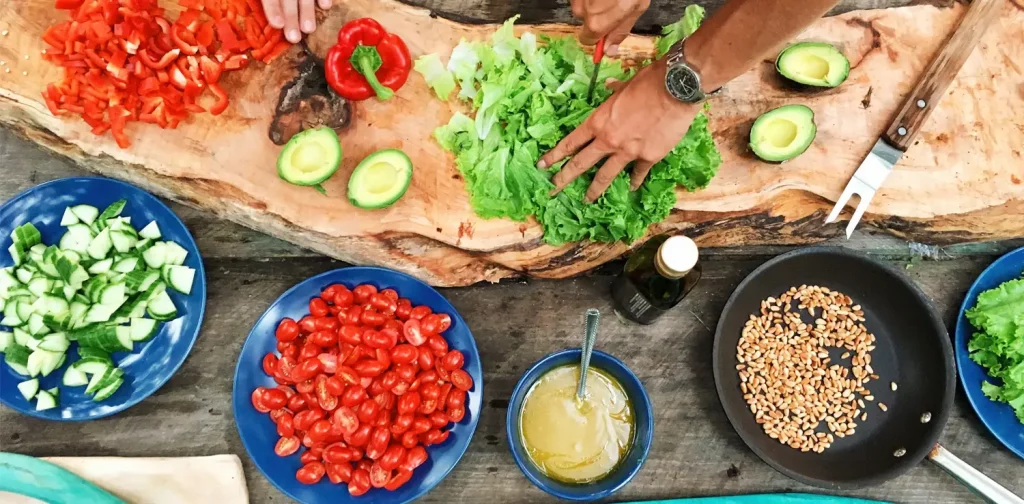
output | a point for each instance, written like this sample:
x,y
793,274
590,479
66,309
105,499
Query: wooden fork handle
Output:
x,y
940,73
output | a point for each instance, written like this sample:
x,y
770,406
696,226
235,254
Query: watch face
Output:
x,y
682,83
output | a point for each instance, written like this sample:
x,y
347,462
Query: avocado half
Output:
x,y
380,179
310,157
783,133
813,64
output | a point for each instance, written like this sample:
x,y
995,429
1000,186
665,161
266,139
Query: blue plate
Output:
x,y
152,363
259,435
998,417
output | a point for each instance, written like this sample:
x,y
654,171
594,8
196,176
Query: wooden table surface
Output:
x,y
696,452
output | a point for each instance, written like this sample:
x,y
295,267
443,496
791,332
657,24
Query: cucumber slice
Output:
x,y
29,388
45,401
113,295
175,254
55,323
25,310
126,264
7,339
22,275
56,342
97,379
78,277
86,213
26,235
151,231
140,281
102,337
18,368
54,391
99,313
155,256
99,267
87,352
181,278
48,361
123,241
113,210
69,218
74,377
108,390
36,360
77,238
93,365
124,338
17,253
100,246
56,305
37,326
142,329
39,286
73,256
144,244
69,292
22,337
161,307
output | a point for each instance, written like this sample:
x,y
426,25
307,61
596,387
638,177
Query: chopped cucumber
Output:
x,y
93,365
126,264
113,210
155,256
7,338
56,342
17,253
74,377
77,238
101,266
26,235
100,246
22,275
175,253
181,278
151,231
161,307
69,218
113,295
86,213
99,313
108,390
29,388
45,401
140,281
124,338
142,329
123,241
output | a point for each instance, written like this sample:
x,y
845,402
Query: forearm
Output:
x,y
743,32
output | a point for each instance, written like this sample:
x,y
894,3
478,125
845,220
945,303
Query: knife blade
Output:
x,y
914,111
598,55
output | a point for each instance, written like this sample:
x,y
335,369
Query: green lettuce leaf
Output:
x,y
998,345
692,17
529,92
437,76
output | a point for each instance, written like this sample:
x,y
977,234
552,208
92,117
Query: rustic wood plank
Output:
x,y
24,165
696,451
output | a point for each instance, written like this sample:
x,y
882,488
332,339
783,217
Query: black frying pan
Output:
x,y
913,349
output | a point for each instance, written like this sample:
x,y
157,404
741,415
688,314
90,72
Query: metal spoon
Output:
x,y
593,317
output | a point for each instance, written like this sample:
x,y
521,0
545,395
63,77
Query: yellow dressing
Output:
x,y
576,441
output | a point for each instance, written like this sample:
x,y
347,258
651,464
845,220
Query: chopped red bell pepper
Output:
x,y
222,99
367,61
68,4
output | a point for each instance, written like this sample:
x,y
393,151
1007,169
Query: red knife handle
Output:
x,y
599,51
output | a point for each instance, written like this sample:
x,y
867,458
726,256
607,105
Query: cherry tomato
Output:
x,y
419,312
401,424
442,437
309,350
433,437
457,399
305,387
354,395
380,302
400,388
402,311
442,400
439,419
364,292
409,402
431,323
445,322
327,324
329,362
375,339
360,482
369,368
378,443
442,373
414,333
305,419
296,403
350,334
343,298
285,425
379,476
257,400
389,379
338,473
346,375
326,400
269,364
428,406
438,344
310,473
421,424
367,411
426,359
307,324
456,414
410,439
324,339
320,430
308,369
390,294
274,399
373,318
308,457
407,372
430,390
383,356
286,446
287,348
347,420
287,330
453,360
414,458
318,307
390,336
328,293
361,436
462,380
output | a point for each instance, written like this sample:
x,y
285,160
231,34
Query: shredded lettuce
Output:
x,y
998,346
529,92
670,34
437,76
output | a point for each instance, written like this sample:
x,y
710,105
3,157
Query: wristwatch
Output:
x,y
682,80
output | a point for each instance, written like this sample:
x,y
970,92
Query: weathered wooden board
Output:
x,y
962,183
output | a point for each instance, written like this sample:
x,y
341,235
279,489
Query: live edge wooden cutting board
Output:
x,y
962,182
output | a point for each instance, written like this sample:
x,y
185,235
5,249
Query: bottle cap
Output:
x,y
677,256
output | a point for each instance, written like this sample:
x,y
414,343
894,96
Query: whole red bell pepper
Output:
x,y
367,61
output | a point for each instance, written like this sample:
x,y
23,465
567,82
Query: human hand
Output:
x,y
639,123
612,19
293,16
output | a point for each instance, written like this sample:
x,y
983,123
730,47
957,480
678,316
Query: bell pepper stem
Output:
x,y
367,61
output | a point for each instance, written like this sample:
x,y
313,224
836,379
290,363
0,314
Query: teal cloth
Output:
x,y
780,498
39,479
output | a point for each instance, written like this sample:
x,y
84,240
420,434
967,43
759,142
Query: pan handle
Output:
x,y
972,478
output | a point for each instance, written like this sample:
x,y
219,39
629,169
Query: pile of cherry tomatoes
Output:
x,y
366,382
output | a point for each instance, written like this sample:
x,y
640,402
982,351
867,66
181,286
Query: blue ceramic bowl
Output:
x,y
259,434
998,417
152,363
642,434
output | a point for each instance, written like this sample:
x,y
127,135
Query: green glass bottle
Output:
x,y
656,278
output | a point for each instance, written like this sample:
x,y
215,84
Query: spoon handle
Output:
x,y
593,317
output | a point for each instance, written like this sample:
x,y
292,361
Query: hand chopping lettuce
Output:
x,y
998,346
529,92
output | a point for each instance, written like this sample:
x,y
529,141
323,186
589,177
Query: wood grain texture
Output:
x,y
939,74
695,453
961,184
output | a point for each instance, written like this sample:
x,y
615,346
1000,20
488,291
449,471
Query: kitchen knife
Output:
x,y
598,55
916,108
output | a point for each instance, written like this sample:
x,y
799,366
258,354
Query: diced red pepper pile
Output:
x,y
124,61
